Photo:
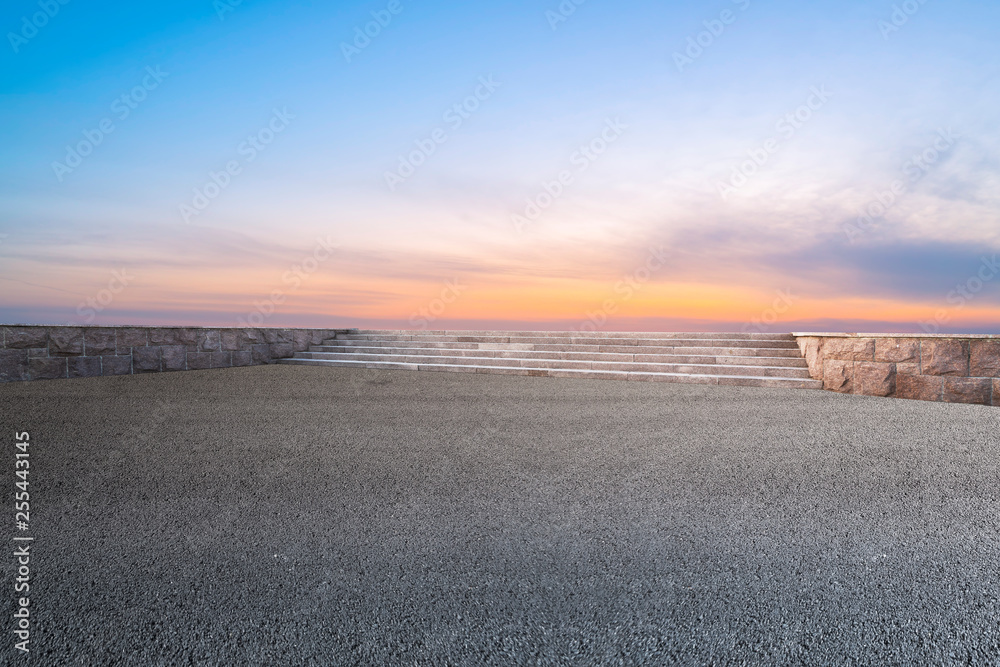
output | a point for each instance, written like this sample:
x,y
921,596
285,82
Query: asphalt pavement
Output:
x,y
303,515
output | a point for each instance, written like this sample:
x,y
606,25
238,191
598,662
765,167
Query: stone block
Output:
x,y
65,341
282,350
84,367
161,336
230,339
13,365
809,346
209,340
897,350
131,337
22,338
117,364
872,378
260,354
996,393
944,357
984,358
98,341
197,361
38,352
848,349
838,375
908,369
174,357
301,340
274,336
967,390
919,387
248,337
222,359
46,368
242,358
173,336
146,359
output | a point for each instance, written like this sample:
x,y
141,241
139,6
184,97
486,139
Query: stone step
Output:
x,y
733,380
573,340
579,334
787,362
771,360
792,352
695,369
566,340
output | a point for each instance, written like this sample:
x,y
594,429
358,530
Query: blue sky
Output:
x,y
874,84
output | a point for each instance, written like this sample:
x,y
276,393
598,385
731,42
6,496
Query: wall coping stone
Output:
x,y
894,335
170,326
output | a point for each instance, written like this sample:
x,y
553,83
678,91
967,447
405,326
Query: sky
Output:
x,y
731,165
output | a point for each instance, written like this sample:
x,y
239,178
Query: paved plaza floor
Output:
x,y
303,515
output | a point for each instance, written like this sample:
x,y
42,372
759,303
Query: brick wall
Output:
x,y
48,352
939,367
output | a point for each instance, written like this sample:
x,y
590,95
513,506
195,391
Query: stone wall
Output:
x,y
48,352
926,367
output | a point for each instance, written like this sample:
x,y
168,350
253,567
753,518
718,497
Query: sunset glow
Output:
x,y
506,166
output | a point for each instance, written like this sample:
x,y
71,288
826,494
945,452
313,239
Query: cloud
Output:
x,y
826,264
910,270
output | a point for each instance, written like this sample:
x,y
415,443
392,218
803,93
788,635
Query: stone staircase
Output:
x,y
748,359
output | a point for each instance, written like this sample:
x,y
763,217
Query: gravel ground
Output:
x,y
301,515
